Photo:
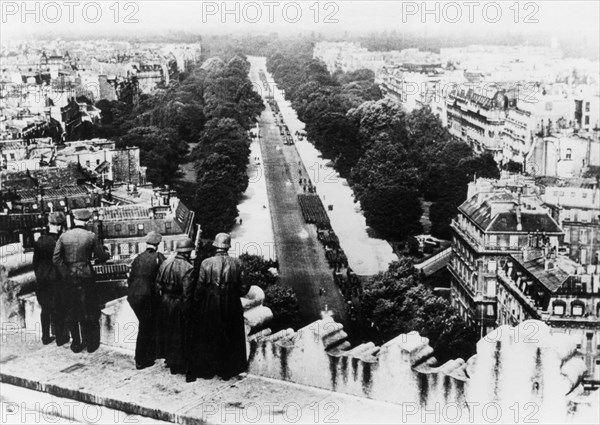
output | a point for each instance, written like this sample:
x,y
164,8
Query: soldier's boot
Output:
x,y
91,335
61,331
45,319
76,345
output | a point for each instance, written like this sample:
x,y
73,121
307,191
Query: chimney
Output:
x,y
549,264
518,213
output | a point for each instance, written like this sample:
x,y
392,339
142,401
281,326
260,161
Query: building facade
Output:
x,y
489,227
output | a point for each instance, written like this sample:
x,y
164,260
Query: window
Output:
x,y
493,240
490,310
558,308
514,241
167,226
587,120
491,266
97,162
132,229
577,308
568,154
140,228
584,195
587,106
491,289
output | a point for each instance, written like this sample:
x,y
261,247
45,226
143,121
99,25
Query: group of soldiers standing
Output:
x,y
190,316
66,288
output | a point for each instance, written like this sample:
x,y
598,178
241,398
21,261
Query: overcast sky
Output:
x,y
86,17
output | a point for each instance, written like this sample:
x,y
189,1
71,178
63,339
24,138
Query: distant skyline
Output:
x,y
204,18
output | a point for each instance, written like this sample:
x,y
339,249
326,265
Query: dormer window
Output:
x,y
577,308
558,308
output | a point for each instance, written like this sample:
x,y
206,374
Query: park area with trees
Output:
x,y
393,159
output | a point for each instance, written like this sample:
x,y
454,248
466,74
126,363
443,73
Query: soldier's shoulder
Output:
x,y
208,261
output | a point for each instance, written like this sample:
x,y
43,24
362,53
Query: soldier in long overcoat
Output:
x,y
143,299
73,256
173,282
47,279
220,336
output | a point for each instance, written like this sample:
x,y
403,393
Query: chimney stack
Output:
x,y
518,214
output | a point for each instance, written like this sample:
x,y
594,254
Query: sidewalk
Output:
x,y
108,378
366,255
255,234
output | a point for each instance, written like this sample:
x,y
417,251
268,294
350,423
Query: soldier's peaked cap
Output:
x,y
153,238
56,218
83,215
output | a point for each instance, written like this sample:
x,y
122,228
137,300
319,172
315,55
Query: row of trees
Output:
x,y
221,156
394,160
213,105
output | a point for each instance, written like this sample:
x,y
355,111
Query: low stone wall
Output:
x,y
517,374
19,307
520,374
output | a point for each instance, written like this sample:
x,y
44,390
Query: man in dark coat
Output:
x,y
220,343
173,282
73,256
143,300
47,281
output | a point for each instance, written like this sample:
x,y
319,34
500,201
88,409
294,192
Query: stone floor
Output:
x,y
108,379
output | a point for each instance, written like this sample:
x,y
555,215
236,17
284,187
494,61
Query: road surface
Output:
x,y
302,262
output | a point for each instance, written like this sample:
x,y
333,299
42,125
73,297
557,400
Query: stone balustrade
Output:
x,y
517,373
522,373
19,307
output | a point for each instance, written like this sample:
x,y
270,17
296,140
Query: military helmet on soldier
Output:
x,y
184,245
223,241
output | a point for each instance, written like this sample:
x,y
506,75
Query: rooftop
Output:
x,y
552,278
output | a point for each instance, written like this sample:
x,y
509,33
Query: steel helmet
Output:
x,y
184,245
222,240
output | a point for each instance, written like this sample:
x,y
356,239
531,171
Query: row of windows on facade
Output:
x,y
134,230
573,194
127,250
559,308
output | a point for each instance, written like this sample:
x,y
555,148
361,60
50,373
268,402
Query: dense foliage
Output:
x,y
213,105
397,302
392,158
281,300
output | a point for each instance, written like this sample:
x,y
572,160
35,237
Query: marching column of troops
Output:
x,y
190,316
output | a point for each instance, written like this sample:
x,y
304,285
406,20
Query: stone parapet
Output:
x,y
522,373
517,372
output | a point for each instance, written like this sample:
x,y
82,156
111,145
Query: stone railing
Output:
x,y
19,306
517,373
